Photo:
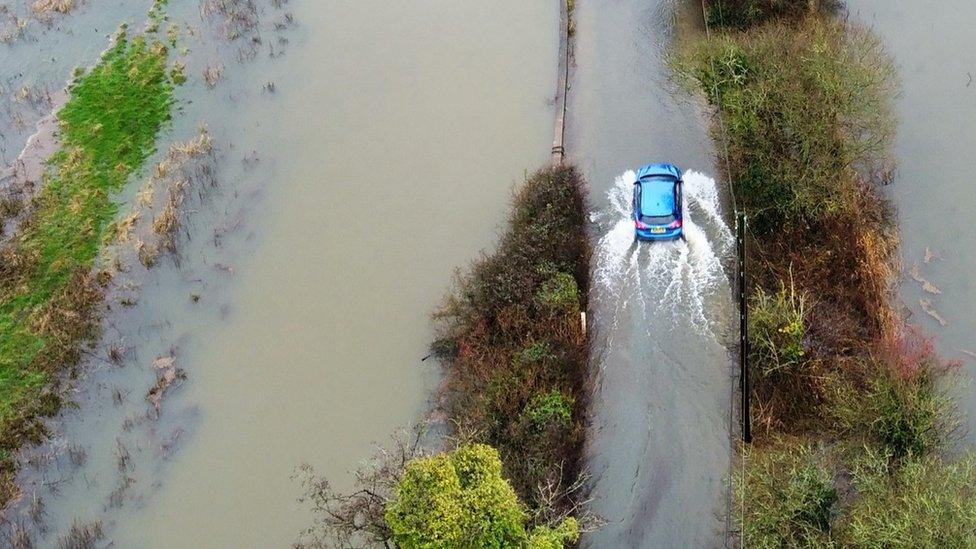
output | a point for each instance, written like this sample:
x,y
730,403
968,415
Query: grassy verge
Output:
x,y
48,294
848,418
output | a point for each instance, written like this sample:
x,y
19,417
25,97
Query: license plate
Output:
x,y
658,229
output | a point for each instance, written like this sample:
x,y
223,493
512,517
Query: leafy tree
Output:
x,y
460,499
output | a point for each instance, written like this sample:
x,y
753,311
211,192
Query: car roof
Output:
x,y
658,170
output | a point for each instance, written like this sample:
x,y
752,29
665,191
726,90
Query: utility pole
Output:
x,y
744,386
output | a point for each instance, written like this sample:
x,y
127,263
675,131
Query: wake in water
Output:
x,y
683,278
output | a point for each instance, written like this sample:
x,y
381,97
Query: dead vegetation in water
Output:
x,y
239,22
16,20
212,75
82,535
168,376
152,227
55,6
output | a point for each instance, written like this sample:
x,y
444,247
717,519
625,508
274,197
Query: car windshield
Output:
x,y
657,201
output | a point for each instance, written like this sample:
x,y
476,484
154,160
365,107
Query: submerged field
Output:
x,y
850,424
48,291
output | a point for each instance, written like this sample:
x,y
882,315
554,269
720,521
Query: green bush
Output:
x,y
536,352
776,330
786,495
905,416
559,293
919,503
551,407
742,14
460,499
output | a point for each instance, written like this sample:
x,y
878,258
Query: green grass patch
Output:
x,y
47,293
788,495
919,503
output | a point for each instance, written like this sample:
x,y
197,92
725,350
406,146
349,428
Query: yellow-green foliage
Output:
x,y
563,535
460,499
776,330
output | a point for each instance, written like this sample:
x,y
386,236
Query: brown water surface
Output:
x,y
358,171
933,46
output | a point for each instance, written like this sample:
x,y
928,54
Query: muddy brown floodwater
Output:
x,y
933,187
358,169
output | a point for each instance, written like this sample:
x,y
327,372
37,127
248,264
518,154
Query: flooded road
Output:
x,y
659,440
357,170
933,188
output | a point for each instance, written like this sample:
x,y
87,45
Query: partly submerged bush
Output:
x,y
786,495
899,406
919,503
461,500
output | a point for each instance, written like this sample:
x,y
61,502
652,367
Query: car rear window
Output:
x,y
657,198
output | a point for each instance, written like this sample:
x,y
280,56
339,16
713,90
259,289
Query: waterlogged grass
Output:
x,y
920,503
788,493
47,292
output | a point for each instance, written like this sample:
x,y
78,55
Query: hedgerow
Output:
x,y
516,379
850,422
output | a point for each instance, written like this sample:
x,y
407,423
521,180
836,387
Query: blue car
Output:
x,y
657,202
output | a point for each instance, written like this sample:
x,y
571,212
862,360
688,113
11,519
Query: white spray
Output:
x,y
679,278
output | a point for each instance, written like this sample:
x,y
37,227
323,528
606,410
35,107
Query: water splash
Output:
x,y
683,278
